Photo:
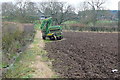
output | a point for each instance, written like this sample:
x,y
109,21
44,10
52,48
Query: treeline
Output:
x,y
19,11
90,13
26,11
31,11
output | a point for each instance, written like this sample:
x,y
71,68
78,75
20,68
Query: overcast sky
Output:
x,y
110,4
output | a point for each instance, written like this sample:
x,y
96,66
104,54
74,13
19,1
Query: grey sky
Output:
x,y
110,4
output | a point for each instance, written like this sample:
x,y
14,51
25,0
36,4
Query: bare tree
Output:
x,y
58,10
8,8
96,6
21,7
90,10
20,10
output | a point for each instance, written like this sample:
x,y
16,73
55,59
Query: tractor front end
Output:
x,y
54,33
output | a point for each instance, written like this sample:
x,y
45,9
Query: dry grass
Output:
x,y
14,38
11,27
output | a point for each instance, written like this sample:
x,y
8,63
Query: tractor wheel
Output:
x,y
52,38
44,37
59,38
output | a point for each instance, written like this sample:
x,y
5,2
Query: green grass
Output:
x,y
37,24
70,22
21,68
105,21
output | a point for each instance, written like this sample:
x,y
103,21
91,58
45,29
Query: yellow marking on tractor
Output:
x,y
49,34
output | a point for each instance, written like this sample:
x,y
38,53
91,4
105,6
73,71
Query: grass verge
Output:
x,y
22,67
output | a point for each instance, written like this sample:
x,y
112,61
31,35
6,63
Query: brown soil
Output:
x,y
85,55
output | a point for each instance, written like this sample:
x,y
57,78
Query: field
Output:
x,y
89,48
85,55
78,55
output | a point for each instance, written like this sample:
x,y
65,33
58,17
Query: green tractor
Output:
x,y
52,32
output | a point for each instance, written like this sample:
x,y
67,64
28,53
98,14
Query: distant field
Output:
x,y
101,25
106,21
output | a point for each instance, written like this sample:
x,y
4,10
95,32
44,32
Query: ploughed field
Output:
x,y
85,55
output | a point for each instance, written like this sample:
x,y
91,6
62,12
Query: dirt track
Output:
x,y
85,55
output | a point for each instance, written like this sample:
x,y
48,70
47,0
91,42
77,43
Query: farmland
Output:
x,y
78,55
85,55
33,45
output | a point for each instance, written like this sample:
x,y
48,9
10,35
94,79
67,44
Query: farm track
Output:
x,y
85,55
